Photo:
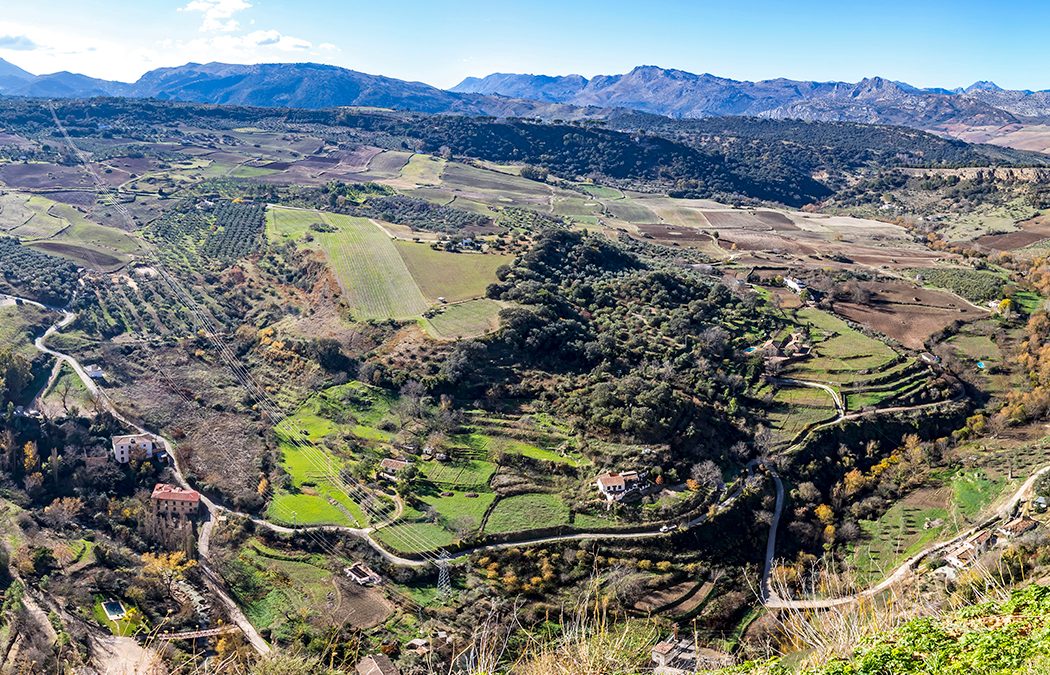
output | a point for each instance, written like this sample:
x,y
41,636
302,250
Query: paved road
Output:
x,y
769,599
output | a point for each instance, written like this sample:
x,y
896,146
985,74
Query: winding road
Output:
x,y
768,598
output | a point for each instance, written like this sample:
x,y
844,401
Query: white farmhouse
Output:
x,y
125,446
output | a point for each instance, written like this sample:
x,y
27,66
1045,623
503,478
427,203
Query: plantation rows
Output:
x,y
238,231
145,306
44,277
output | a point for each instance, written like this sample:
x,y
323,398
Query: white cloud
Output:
x,y
18,43
217,15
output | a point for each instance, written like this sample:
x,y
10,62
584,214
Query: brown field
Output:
x,y
758,220
74,197
685,236
136,165
98,259
358,606
1032,230
905,313
44,176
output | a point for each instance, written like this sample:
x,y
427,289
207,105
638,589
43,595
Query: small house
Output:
x,y
124,447
377,664
616,486
94,372
420,646
1017,527
391,468
362,574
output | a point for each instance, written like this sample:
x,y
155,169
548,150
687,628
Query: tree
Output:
x,y
166,568
63,511
708,475
824,514
30,460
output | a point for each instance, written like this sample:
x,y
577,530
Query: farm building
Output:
x,y
377,664
125,447
617,486
362,574
389,467
94,372
967,552
679,657
794,284
1017,527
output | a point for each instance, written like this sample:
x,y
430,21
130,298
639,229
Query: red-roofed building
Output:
x,y
174,501
616,486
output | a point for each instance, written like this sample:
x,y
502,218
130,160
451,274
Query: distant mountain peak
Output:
x,y
10,70
983,85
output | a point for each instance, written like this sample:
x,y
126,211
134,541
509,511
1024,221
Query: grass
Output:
x,y
17,322
122,627
602,191
527,512
465,319
459,512
900,533
795,408
842,355
375,281
280,588
468,473
415,537
973,490
354,408
896,535
423,170
67,380
453,276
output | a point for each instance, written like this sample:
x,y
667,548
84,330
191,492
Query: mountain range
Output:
x,y
660,91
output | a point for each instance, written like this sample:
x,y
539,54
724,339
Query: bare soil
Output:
x,y
905,313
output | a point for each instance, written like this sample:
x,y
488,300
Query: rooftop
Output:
x,y
176,493
131,438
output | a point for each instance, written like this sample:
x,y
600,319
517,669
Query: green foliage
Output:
x,y
43,277
974,285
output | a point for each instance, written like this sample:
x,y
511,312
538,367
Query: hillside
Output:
x,y
650,89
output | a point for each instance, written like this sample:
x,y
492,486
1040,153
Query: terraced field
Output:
x,y
527,512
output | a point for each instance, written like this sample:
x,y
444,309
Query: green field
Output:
x,y
18,323
467,473
415,537
353,409
465,319
423,170
527,512
453,276
459,512
372,274
920,519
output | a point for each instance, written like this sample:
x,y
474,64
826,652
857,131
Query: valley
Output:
x,y
422,371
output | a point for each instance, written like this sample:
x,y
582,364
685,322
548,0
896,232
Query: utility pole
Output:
x,y
444,578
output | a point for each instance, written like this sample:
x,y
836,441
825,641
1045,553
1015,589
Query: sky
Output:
x,y
923,42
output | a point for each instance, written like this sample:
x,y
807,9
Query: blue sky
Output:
x,y
926,43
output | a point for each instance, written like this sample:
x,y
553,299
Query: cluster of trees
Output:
x,y
43,277
420,214
637,352
237,232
